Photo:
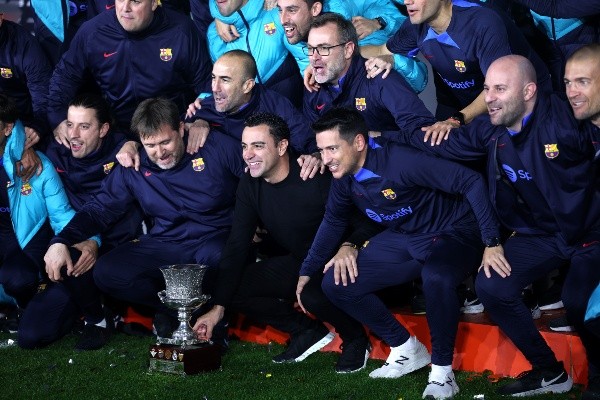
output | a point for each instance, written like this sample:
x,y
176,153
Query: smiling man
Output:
x,y
437,217
136,51
265,290
543,185
190,197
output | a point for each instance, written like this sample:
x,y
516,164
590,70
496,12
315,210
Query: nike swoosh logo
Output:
x,y
147,173
106,55
590,243
320,106
550,382
109,6
59,170
501,144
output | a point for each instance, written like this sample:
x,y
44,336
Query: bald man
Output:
x,y
542,184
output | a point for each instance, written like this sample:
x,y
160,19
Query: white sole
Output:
x,y
316,347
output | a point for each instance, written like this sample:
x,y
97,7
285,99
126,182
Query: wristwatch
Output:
x,y
492,242
458,117
381,22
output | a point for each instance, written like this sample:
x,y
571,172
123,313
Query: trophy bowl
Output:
x,y
183,293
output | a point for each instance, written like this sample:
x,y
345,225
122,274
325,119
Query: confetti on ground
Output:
x,y
70,361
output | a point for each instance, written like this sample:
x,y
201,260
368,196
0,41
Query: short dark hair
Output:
x,y
345,28
9,112
248,62
589,51
152,114
278,128
348,121
95,102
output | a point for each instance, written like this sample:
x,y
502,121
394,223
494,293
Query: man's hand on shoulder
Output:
x,y
129,155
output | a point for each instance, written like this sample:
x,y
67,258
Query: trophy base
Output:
x,y
184,360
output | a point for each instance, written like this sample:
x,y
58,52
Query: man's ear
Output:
x,y
360,142
104,129
316,8
282,147
248,85
529,91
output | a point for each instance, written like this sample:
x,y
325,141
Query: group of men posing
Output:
x,y
393,206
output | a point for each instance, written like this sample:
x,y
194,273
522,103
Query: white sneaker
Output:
x,y
403,359
440,385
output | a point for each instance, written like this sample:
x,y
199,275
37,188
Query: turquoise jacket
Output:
x,y
555,28
50,13
43,197
261,35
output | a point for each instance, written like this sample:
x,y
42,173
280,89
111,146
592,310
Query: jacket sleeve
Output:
x,y
235,254
413,70
563,8
302,138
67,79
451,178
38,73
57,203
331,231
372,9
198,70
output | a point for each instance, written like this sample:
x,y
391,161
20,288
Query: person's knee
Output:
x,y
437,282
29,338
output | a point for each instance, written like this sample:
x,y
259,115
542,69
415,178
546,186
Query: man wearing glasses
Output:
x,y
387,106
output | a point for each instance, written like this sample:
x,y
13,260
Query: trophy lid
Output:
x,y
183,281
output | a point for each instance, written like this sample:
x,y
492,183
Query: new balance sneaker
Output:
x,y
470,302
355,354
403,359
538,381
592,392
441,384
93,337
560,324
304,344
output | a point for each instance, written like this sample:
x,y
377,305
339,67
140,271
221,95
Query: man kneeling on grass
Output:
x,y
290,210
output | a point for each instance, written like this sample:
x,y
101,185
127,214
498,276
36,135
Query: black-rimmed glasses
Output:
x,y
321,50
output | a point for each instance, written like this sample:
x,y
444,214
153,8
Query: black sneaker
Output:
x,y
355,354
531,302
560,324
539,380
164,325
551,299
417,304
592,392
93,337
305,344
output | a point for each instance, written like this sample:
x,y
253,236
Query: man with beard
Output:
x,y
189,196
387,105
542,183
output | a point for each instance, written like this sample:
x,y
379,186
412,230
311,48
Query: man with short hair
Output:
x,y
387,105
31,211
542,183
265,290
89,160
235,96
297,15
438,218
190,197
136,51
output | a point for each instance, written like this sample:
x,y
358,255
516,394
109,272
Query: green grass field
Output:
x,y
119,371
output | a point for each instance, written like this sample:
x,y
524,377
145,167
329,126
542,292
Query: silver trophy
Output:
x,y
184,293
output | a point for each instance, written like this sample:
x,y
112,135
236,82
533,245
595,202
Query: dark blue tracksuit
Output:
x,y
432,209
543,186
263,100
83,177
24,74
166,59
386,104
461,56
192,207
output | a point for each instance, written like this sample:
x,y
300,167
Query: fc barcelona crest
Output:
x,y
551,150
361,103
198,164
166,54
26,189
6,73
270,28
108,167
389,194
460,65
